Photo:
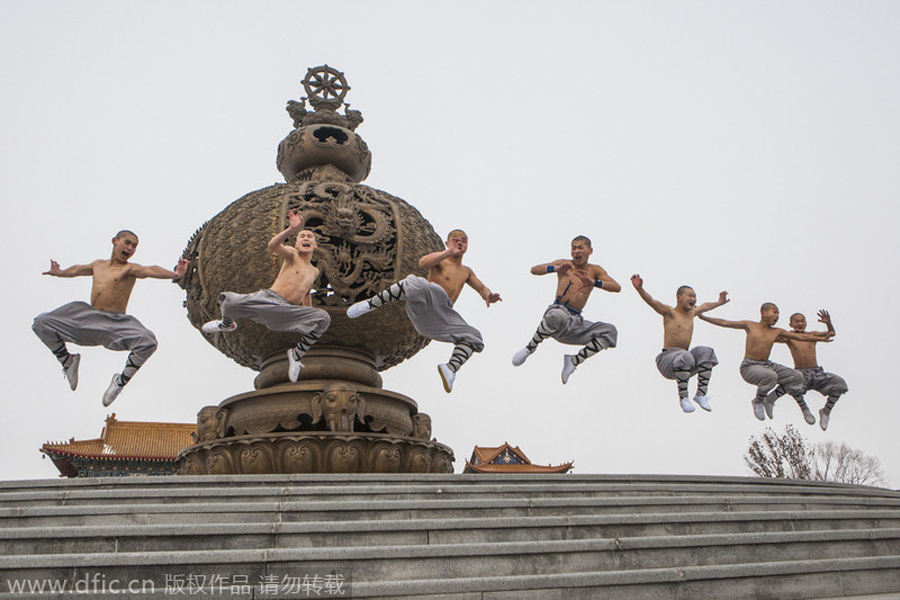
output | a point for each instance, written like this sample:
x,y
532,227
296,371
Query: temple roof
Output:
x,y
128,440
507,459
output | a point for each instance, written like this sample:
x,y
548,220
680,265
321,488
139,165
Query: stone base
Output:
x,y
315,452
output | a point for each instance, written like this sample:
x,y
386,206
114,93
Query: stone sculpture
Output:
x,y
337,417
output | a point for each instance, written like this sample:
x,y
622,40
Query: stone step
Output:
x,y
453,561
811,579
207,511
413,536
354,485
186,494
193,536
814,579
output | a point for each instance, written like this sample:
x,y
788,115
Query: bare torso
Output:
x,y
451,275
296,277
574,287
803,353
111,285
678,329
760,339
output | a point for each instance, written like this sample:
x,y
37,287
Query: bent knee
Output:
x,y
840,387
553,323
473,340
40,323
765,379
147,344
682,360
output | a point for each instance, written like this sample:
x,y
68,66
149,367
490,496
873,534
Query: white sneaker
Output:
x,y
769,404
823,419
447,377
568,367
71,372
686,405
217,326
359,309
808,417
294,366
703,401
758,410
520,356
113,391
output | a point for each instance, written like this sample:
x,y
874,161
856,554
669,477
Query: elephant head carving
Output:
x,y
339,403
207,425
422,426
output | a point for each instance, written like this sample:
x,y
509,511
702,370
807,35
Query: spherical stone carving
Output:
x,y
367,240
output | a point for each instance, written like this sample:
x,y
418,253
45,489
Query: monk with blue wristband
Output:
x,y
575,280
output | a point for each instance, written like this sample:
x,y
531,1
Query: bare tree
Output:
x,y
840,462
782,456
790,456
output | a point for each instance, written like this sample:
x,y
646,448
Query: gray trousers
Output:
x,y
827,384
82,324
573,329
677,359
765,375
431,313
270,309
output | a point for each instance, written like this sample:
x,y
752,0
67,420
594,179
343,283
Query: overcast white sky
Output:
x,y
748,147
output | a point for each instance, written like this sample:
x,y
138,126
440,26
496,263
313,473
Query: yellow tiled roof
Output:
x,y
129,439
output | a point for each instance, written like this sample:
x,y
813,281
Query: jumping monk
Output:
x,y
287,305
756,368
575,280
814,377
103,322
429,303
678,360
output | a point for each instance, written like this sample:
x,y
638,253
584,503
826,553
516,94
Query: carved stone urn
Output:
x,y
336,418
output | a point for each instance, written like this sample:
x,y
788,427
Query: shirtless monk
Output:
x,y
678,360
103,322
575,280
287,305
814,377
756,368
429,303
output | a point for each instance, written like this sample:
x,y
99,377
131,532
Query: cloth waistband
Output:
x,y
574,311
758,362
272,292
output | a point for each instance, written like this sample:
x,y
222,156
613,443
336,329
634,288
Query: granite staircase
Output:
x,y
448,536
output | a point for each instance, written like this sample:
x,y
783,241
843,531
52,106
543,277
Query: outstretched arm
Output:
x,y
806,336
723,323
276,244
484,291
557,266
73,271
155,272
723,299
652,302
